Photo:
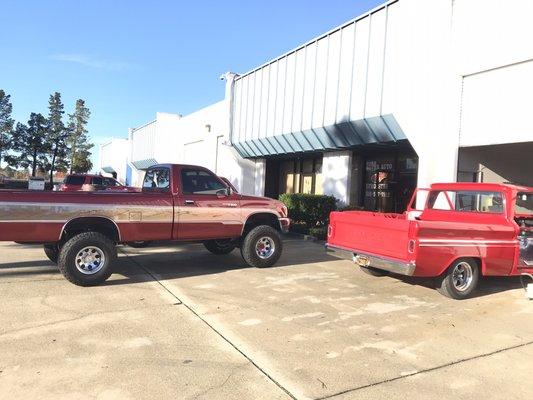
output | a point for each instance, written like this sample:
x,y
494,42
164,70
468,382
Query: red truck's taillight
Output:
x,y
411,246
330,230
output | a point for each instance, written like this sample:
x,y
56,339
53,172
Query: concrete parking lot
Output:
x,y
178,322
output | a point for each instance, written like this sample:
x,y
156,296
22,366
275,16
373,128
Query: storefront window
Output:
x,y
301,176
389,182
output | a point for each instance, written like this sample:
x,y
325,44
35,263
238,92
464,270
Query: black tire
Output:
x,y
374,271
271,240
70,259
460,279
52,252
139,244
220,247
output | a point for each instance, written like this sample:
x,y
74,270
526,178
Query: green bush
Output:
x,y
320,232
309,209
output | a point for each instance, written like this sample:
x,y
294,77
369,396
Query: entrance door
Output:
x,y
205,208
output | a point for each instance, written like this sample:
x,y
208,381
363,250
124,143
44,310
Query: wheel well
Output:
x,y
261,219
91,224
477,260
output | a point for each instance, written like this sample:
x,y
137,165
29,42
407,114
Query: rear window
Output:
x,y
75,180
466,201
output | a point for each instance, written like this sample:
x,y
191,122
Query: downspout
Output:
x,y
230,77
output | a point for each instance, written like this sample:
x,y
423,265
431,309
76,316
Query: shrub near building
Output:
x,y
309,212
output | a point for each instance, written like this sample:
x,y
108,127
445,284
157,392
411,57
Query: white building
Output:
x,y
114,157
410,93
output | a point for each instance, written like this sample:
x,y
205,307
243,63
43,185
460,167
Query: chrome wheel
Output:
x,y
462,276
90,260
265,247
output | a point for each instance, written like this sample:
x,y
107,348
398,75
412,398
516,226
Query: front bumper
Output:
x,y
284,224
368,260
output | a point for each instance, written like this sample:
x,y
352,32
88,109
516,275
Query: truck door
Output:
x,y
206,208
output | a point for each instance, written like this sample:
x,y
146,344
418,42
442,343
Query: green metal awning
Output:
x,y
345,134
144,164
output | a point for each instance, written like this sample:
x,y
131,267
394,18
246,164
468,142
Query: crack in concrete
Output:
x,y
213,328
438,367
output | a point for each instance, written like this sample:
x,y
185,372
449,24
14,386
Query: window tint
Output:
x,y
75,180
200,182
97,181
466,201
158,178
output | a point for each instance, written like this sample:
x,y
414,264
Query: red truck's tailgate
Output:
x,y
374,233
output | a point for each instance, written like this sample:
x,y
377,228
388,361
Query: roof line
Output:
x,y
353,20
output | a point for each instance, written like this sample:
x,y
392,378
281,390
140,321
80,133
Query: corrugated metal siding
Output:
x,y
143,142
326,94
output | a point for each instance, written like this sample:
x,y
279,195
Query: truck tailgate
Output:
x,y
385,235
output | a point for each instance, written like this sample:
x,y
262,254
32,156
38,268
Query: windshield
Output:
x,y
524,203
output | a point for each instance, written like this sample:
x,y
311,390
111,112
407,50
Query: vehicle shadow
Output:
x,y
188,260
487,285
164,261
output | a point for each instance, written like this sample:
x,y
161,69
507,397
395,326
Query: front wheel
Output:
x,y
220,247
52,252
460,279
262,246
87,258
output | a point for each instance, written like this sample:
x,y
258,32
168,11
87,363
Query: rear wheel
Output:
x,y
460,279
52,252
220,247
374,271
262,246
87,258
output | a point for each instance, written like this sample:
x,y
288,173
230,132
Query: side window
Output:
x,y
110,182
97,181
197,181
158,178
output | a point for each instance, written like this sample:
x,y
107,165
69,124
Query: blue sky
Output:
x,y
130,59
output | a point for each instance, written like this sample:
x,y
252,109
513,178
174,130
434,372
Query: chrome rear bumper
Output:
x,y
368,260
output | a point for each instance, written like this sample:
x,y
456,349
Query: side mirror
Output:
x,y
224,192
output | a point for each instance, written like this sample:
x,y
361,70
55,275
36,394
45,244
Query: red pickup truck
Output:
x,y
80,230
462,231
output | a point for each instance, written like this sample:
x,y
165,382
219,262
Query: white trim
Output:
x,y
468,241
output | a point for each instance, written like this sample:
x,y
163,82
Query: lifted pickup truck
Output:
x,y
80,230
463,230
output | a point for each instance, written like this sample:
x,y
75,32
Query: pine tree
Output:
x,y
6,124
78,140
57,135
30,144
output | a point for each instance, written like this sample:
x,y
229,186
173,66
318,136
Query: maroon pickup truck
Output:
x,y
80,230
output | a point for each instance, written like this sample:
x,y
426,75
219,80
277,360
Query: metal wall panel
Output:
x,y
143,142
326,94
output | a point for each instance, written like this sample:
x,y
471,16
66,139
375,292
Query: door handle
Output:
x,y
189,201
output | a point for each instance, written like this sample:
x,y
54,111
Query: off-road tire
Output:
x,y
446,285
374,271
220,247
70,250
52,252
248,248
139,244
